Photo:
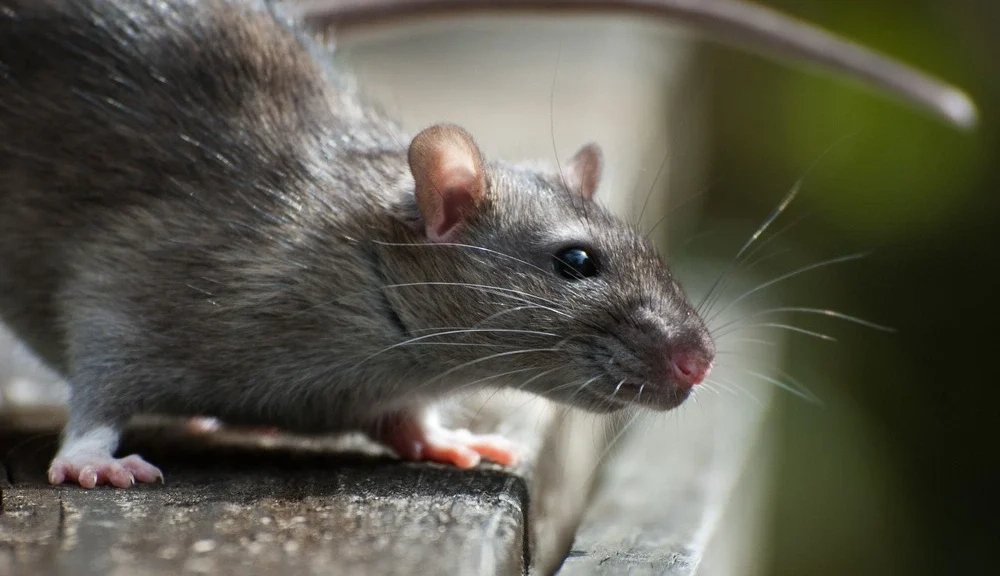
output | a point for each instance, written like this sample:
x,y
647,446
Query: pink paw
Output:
x,y
415,440
90,470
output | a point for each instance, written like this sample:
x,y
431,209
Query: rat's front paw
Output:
x,y
90,470
423,438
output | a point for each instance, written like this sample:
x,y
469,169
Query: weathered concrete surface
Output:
x,y
292,508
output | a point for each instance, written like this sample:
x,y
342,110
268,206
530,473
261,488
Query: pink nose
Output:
x,y
689,368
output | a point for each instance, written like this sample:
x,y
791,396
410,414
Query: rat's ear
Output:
x,y
447,168
583,171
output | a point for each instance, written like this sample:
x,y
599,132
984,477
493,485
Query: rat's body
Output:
x,y
197,218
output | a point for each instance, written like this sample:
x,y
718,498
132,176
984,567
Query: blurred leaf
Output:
x,y
903,173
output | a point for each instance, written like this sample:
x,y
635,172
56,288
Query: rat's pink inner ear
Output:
x,y
583,171
450,181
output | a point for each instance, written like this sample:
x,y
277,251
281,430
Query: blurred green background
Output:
x,y
889,476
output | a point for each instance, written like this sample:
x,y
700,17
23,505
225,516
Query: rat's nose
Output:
x,y
690,367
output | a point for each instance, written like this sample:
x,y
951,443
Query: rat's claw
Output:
x,y
90,470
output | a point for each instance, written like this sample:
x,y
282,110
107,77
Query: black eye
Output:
x,y
574,264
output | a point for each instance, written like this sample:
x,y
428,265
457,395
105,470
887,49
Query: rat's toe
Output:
x,y
424,439
141,470
495,448
90,471
455,453
57,474
465,449
87,477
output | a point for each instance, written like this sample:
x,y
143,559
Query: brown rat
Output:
x,y
219,228
198,216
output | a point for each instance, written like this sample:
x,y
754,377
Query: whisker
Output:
x,y
486,359
699,236
460,245
782,385
436,328
703,386
673,210
800,385
788,327
618,387
745,264
587,383
476,286
614,440
734,388
468,385
495,392
574,384
518,387
467,344
753,341
753,237
449,332
496,290
509,311
780,231
779,209
789,275
764,258
818,311
494,376
552,116
652,187
536,377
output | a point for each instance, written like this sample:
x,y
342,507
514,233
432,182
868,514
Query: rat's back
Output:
x,y
96,95
109,109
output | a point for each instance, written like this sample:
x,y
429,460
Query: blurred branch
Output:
x,y
741,24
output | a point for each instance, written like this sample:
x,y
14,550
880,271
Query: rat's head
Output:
x,y
529,277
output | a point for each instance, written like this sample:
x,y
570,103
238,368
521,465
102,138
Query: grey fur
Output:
x,y
198,217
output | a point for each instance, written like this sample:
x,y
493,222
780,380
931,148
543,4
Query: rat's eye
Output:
x,y
574,264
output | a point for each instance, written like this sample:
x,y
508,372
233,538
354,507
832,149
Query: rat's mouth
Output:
x,y
627,382
660,397
641,389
